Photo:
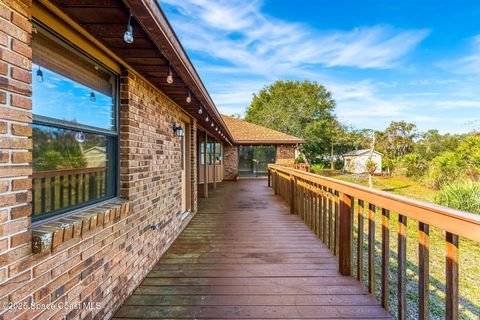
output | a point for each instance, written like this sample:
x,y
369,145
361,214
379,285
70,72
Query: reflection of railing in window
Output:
x,y
60,189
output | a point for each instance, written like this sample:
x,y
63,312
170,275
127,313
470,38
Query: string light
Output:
x,y
39,75
207,119
200,110
170,74
189,97
128,35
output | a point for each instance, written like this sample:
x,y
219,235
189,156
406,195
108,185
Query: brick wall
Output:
x,y
285,153
102,254
230,161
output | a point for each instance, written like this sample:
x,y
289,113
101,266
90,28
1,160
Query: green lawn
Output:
x,y
469,254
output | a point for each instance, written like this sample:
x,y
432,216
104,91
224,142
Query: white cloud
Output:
x,y
469,64
458,104
243,39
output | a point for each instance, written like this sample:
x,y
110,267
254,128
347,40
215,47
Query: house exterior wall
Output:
x,y
356,164
230,161
285,154
97,255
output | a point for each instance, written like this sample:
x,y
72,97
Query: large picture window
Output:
x,y
75,138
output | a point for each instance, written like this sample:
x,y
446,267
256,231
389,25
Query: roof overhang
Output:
x,y
155,47
277,142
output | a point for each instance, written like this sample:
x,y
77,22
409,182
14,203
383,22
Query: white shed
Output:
x,y
355,161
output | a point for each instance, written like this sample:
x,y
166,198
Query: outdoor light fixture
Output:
x,y
178,130
216,128
170,74
213,124
207,119
128,35
39,75
200,110
189,97
92,96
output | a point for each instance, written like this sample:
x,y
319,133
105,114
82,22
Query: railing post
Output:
x,y
269,177
275,182
345,236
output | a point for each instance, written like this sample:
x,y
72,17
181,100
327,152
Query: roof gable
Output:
x,y
246,132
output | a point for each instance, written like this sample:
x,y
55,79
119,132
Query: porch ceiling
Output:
x,y
155,45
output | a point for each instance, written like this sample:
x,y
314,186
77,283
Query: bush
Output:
x,y
464,196
445,169
317,168
414,166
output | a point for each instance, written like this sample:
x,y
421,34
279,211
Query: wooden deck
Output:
x,y
244,256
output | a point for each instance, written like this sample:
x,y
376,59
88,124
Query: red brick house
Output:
x,y
105,127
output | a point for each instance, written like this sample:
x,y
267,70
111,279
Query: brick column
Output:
x,y
15,134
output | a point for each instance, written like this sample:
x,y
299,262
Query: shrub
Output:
x,y
317,168
446,168
464,196
370,166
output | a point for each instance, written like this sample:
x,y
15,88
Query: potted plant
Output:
x,y
236,176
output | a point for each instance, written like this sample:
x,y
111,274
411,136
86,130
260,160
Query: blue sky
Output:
x,y
383,60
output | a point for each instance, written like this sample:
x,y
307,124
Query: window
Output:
x,y
218,154
75,138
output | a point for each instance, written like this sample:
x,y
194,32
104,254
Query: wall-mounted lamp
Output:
x,y
189,97
128,35
170,74
178,130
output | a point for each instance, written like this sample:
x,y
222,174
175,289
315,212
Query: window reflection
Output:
x,y
71,168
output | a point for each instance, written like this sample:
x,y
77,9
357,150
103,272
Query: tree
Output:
x,y
301,108
399,138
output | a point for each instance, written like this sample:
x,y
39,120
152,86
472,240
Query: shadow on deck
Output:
x,y
243,256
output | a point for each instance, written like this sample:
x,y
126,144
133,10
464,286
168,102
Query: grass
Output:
x,y
469,268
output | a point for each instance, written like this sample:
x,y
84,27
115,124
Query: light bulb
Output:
x,y
39,75
170,75
128,35
216,128
189,97
207,119
213,124
200,110
92,97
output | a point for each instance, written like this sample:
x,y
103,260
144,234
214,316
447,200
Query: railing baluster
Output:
x,y
371,248
324,215
69,181
385,257
337,223
423,271
42,195
321,204
330,220
360,209
52,193
345,237
292,194
402,267
451,270
62,187
77,188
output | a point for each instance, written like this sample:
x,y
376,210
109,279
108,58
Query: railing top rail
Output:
x,y
66,172
461,223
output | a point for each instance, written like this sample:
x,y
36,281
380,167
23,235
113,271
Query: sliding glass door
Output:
x,y
253,160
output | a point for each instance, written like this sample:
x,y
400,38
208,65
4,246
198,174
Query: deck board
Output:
x,y
244,256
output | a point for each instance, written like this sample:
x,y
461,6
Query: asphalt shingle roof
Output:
x,y
246,132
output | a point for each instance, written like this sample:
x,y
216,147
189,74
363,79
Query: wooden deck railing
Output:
x,y
328,207
299,166
58,189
